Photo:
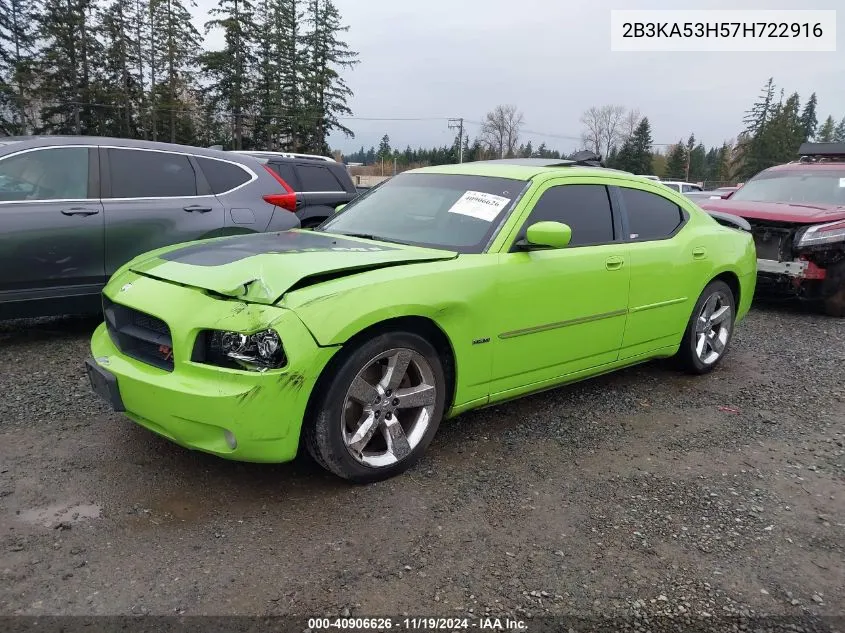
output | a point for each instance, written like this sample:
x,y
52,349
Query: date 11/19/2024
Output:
x,y
415,624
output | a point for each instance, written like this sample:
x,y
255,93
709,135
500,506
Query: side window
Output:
x,y
585,208
286,173
58,173
650,217
314,178
146,174
222,176
689,188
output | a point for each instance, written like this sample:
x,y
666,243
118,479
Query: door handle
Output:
x,y
699,252
614,262
80,211
196,208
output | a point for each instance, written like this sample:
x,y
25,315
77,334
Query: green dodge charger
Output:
x,y
443,290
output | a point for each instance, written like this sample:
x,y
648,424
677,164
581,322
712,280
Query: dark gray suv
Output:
x,y
74,209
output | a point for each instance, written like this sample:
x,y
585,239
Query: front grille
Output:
x,y
772,241
139,335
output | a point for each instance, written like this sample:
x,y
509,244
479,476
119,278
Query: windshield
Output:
x,y
450,211
813,186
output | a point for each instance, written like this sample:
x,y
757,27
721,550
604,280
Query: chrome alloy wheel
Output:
x,y
388,407
713,328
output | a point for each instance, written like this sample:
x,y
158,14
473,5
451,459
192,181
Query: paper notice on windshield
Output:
x,y
842,182
477,204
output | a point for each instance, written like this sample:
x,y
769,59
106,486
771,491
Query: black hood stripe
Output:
x,y
233,249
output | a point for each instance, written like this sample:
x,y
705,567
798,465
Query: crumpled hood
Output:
x,y
776,211
261,268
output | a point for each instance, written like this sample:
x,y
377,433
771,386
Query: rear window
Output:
x,y
286,173
650,217
222,176
150,174
314,178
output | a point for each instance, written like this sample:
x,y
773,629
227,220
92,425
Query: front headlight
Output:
x,y
258,352
822,234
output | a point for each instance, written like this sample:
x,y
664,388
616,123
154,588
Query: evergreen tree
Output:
x,y
676,162
69,58
289,19
174,45
529,150
17,48
641,142
725,172
756,153
711,164
231,68
612,160
140,28
621,158
697,157
122,68
384,151
809,122
326,54
268,76
827,132
839,132
784,134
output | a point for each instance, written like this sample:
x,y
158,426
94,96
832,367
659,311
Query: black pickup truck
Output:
x,y
322,184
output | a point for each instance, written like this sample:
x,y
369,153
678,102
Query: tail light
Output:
x,y
285,200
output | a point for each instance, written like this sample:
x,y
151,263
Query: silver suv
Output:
x,y
74,209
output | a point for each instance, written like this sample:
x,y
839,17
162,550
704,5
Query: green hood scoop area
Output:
x,y
261,268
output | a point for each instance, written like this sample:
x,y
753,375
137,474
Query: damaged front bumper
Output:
x,y
801,278
233,413
798,268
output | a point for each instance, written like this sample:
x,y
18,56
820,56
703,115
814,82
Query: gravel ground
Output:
x,y
645,493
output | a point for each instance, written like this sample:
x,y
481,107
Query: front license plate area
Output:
x,y
104,385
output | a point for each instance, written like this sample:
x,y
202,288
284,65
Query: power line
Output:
x,y
459,124
452,122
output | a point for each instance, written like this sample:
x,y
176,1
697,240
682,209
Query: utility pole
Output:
x,y
458,124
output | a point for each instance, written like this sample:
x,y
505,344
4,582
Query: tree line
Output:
x,y
138,69
775,127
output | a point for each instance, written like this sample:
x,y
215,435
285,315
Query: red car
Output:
x,y
797,216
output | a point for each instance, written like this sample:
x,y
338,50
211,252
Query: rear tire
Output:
x,y
709,330
377,414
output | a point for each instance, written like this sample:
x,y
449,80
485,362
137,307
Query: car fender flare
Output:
x,y
417,321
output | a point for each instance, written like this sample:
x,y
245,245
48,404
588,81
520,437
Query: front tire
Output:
x,y
379,411
709,329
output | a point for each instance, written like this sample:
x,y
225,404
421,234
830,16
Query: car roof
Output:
x,y
285,156
16,142
524,169
804,165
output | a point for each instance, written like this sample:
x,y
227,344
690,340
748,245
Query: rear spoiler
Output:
x,y
729,220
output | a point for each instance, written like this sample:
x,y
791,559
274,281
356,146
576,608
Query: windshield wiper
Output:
x,y
370,236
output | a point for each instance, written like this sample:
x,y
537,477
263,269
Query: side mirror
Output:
x,y
547,235
339,208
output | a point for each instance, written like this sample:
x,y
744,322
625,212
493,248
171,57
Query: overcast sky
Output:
x,y
552,59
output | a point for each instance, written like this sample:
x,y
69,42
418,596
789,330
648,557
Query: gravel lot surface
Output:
x,y
645,493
